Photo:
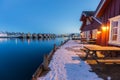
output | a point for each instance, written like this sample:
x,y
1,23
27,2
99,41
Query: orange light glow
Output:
x,y
104,28
81,34
107,28
98,32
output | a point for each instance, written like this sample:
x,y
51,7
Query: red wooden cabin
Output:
x,y
108,12
90,25
106,20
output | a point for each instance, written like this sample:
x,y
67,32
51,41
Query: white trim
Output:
x,y
94,33
114,43
110,36
115,18
84,14
88,35
119,31
117,42
99,8
97,20
88,22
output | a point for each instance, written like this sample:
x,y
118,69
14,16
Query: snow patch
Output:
x,y
66,65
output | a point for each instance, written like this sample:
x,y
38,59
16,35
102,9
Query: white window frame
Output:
x,y
88,35
117,42
94,33
88,22
85,34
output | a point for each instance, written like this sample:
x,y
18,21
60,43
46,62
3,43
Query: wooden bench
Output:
x,y
93,49
83,49
109,60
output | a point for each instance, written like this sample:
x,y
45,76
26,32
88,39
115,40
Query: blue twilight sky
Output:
x,y
44,16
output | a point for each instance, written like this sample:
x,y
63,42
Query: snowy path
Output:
x,y
66,65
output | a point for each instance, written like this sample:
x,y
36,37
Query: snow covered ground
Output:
x,y
66,65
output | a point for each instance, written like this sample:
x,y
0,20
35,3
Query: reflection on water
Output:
x,y
28,40
3,39
19,58
16,40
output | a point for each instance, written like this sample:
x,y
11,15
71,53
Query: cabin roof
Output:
x,y
86,14
95,24
101,7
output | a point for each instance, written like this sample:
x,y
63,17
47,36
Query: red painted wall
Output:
x,y
112,10
98,41
103,37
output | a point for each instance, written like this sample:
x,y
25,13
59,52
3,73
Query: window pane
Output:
x,y
114,37
94,34
115,24
114,31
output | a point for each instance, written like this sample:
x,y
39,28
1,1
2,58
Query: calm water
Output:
x,y
19,59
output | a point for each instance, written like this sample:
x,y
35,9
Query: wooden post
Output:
x,y
54,48
45,63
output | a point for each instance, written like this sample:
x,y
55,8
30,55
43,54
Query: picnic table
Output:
x,y
91,50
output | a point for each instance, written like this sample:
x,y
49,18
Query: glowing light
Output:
x,y
81,33
98,32
104,28
107,28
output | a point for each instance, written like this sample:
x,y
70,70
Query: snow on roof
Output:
x,y
66,65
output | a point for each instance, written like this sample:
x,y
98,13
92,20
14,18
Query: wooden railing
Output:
x,y
47,58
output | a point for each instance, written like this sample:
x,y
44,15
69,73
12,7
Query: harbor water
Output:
x,y
19,58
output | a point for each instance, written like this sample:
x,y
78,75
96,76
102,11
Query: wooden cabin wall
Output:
x,y
112,10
